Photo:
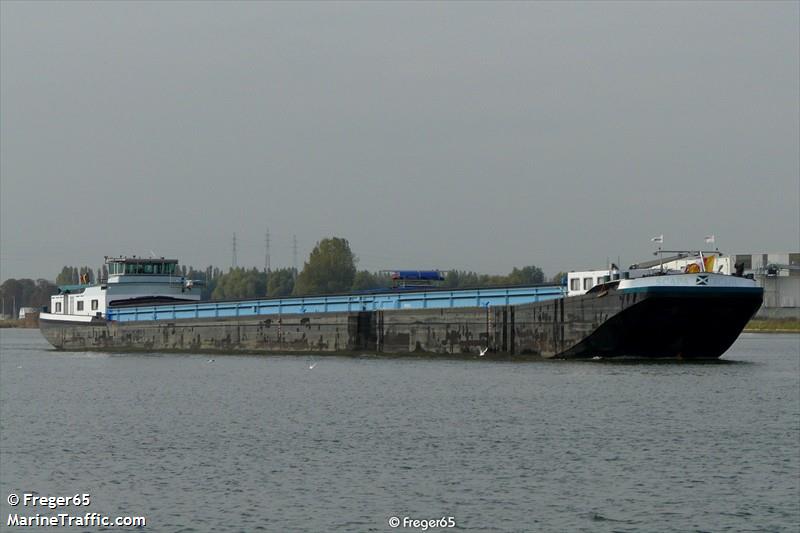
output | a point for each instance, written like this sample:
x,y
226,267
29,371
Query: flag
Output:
x,y
659,239
710,239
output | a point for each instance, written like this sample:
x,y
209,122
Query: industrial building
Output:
x,y
779,275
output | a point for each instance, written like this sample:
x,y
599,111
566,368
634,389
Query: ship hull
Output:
x,y
672,324
696,323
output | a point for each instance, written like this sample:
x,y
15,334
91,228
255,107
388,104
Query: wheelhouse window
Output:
x,y
80,305
94,305
587,283
144,267
575,284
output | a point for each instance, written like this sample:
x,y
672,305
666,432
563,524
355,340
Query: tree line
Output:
x,y
330,268
17,293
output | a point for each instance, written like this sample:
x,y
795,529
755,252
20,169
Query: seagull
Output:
x,y
483,351
210,361
596,358
311,367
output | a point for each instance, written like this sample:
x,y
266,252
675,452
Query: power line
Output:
x,y
266,256
234,262
294,253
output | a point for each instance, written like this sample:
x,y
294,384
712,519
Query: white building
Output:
x,y
779,275
27,311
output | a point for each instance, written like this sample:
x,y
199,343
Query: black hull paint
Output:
x,y
696,324
683,326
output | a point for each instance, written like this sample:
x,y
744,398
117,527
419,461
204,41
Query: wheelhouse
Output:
x,y
119,266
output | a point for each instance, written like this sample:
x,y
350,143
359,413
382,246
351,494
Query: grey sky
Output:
x,y
470,136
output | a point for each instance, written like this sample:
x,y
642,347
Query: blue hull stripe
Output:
x,y
695,291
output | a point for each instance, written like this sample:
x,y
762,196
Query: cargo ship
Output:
x,y
678,307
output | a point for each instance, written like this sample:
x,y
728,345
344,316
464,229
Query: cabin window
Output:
x,y
157,268
587,283
130,268
94,305
575,284
80,305
148,268
58,307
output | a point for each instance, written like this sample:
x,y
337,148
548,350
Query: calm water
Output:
x,y
246,443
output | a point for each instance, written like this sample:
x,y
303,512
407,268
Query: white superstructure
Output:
x,y
130,280
680,262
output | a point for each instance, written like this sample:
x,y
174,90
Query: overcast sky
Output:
x,y
450,135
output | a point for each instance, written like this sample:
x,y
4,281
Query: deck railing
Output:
x,y
435,299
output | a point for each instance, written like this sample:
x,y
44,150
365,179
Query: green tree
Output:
x,y
330,268
240,283
208,278
461,278
281,283
16,293
363,280
66,276
529,275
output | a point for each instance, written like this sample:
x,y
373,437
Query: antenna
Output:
x,y
294,254
660,241
266,255
233,262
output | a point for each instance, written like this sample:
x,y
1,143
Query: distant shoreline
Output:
x,y
773,325
22,324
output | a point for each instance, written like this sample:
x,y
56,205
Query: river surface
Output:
x,y
263,443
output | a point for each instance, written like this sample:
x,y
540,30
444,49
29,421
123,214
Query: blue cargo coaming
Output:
x,y
433,299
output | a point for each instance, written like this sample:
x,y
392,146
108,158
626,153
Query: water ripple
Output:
x,y
261,444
